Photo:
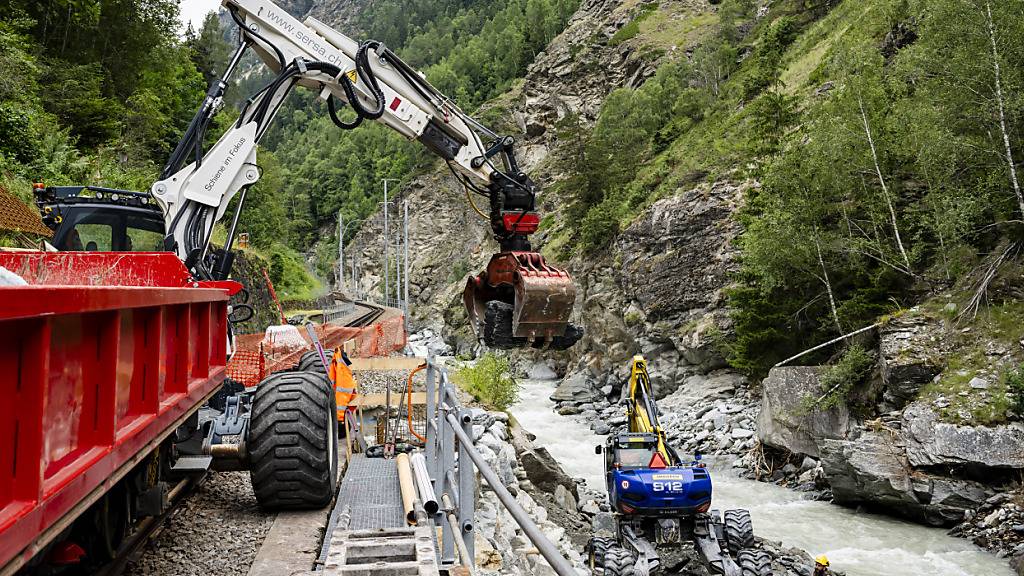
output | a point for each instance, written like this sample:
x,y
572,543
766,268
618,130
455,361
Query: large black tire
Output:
x,y
597,547
739,530
498,330
754,562
618,562
292,444
310,362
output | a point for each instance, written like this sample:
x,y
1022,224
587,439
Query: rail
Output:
x,y
450,429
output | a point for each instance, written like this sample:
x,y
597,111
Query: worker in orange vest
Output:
x,y
344,383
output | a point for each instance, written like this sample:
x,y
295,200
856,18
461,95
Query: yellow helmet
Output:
x,y
821,560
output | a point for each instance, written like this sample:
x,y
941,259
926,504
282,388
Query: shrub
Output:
x,y
837,380
489,381
1015,386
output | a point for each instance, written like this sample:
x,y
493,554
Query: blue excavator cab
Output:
x,y
641,482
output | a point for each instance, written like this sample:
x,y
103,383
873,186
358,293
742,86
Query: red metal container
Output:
x,y
102,356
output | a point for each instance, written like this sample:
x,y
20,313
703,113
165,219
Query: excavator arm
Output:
x,y
642,410
519,300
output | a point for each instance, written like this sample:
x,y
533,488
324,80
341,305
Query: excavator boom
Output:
x,y
519,300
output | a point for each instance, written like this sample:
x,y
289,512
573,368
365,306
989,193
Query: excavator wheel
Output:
x,y
739,530
618,561
498,330
598,547
754,562
310,361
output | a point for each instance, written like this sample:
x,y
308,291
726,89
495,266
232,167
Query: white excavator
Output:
x,y
517,301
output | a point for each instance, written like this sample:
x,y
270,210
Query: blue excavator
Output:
x,y
658,500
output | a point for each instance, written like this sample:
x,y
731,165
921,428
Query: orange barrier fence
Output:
x,y
255,356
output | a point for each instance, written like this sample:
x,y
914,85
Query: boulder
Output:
x,y
541,469
577,388
934,443
786,422
909,358
873,470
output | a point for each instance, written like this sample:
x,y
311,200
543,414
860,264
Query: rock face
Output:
x,y
910,356
934,443
873,469
786,421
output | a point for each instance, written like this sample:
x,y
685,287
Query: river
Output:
x,y
857,543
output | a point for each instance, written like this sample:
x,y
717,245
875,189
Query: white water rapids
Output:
x,y
856,543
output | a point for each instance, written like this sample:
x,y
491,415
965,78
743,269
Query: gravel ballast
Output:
x,y
216,531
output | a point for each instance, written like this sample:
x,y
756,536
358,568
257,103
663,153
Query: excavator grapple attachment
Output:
x,y
521,301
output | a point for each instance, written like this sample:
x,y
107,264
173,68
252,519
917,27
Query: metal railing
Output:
x,y
338,311
450,428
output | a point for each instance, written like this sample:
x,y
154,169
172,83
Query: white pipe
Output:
x,y
423,485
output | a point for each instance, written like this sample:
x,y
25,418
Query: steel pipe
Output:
x,y
408,488
460,542
423,485
546,548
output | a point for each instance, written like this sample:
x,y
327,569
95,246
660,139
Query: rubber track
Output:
x,y
288,445
618,562
754,562
739,529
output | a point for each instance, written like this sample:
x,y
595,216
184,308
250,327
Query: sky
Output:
x,y
195,11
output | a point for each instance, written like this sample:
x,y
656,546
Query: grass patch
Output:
x,y
490,382
632,28
667,29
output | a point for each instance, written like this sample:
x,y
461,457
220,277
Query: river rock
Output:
x,y
564,498
909,357
541,468
934,443
577,388
786,422
873,470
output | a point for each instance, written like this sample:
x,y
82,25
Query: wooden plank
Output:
x,y
378,400
386,363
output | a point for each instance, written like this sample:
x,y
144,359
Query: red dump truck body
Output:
x,y
102,356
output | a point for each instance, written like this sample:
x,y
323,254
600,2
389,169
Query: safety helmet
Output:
x,y
821,560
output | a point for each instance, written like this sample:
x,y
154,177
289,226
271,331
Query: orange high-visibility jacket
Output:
x,y
344,382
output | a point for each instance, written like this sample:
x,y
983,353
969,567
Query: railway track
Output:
x,y
148,528
372,313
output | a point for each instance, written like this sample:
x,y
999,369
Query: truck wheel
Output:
x,y
754,562
498,330
739,530
618,561
598,547
310,362
293,442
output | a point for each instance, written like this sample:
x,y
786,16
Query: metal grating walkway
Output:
x,y
371,494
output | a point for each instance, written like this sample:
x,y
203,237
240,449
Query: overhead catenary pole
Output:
x,y
406,276
387,255
341,251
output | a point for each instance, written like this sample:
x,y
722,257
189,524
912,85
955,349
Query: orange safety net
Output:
x,y
382,338
247,367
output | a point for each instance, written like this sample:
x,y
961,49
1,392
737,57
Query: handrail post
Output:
x,y
447,462
467,485
430,447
